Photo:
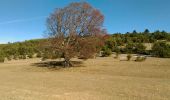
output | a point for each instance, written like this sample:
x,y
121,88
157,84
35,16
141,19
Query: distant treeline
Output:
x,y
141,37
131,42
21,50
135,42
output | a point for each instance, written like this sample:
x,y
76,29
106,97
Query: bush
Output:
x,y
44,58
140,59
161,49
147,52
140,48
106,52
130,48
2,60
39,55
24,57
16,57
137,48
9,58
117,55
2,57
129,56
30,55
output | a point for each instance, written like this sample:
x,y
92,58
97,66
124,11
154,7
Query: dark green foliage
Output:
x,y
140,59
146,31
16,57
9,58
2,57
30,56
160,35
21,50
106,51
133,42
139,37
138,48
130,47
39,55
129,56
24,57
117,50
161,49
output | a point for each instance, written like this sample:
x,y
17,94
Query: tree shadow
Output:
x,y
57,64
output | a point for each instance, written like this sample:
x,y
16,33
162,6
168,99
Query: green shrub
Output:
x,y
22,57
140,48
9,58
2,56
106,52
161,49
140,59
130,48
137,48
30,55
44,58
39,55
2,59
16,57
129,56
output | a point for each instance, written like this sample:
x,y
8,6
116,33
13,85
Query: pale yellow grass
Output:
x,y
101,79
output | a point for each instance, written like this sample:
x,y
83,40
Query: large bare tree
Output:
x,y
75,31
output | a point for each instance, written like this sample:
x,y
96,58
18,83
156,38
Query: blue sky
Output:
x,y
25,19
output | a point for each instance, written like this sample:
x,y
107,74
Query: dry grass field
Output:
x,y
99,79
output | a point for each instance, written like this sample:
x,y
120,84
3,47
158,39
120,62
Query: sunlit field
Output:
x,y
103,78
84,50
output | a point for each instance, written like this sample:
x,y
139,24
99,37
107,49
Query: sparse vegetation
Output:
x,y
127,66
116,55
20,50
129,56
97,78
2,59
140,59
119,43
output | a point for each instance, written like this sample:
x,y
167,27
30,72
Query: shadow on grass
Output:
x,y
57,64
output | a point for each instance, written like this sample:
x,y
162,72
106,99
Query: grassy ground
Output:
x,y
101,79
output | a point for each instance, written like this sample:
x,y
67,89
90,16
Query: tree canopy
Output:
x,y
75,30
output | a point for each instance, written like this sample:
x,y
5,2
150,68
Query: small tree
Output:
x,y
146,31
75,31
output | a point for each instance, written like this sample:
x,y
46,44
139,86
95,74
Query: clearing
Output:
x,y
102,79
